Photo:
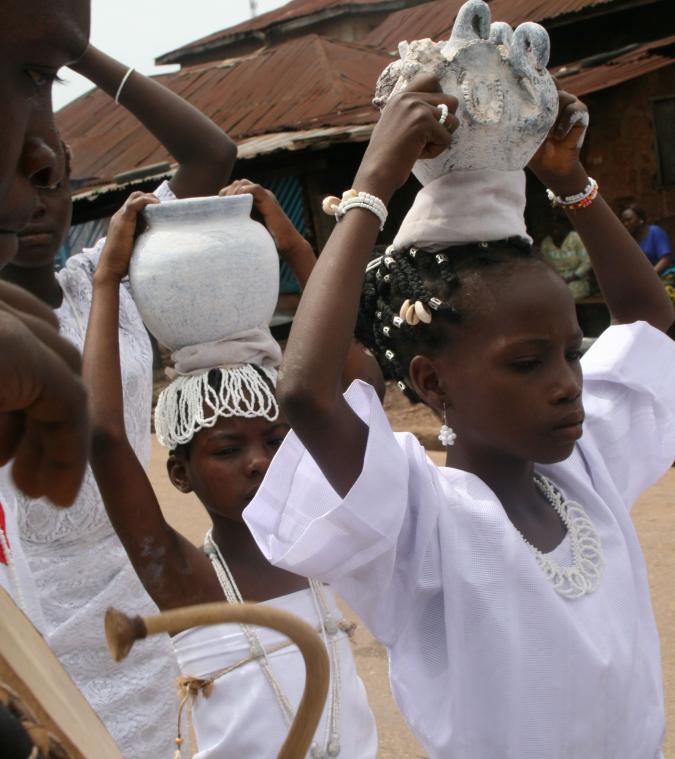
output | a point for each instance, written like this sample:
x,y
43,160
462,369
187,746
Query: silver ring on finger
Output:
x,y
444,113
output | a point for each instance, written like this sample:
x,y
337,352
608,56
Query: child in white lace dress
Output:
x,y
245,683
76,560
508,586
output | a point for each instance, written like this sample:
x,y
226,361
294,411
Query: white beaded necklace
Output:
x,y
329,630
583,576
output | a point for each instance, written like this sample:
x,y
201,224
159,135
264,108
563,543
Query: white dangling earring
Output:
x,y
447,435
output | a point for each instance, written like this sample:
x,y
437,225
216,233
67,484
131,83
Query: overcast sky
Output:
x,y
137,31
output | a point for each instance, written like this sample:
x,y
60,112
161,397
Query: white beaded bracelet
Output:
x,y
130,71
571,200
337,207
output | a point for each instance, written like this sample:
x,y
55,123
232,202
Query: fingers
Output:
x,y
424,83
240,187
43,416
572,115
136,202
44,332
40,320
21,300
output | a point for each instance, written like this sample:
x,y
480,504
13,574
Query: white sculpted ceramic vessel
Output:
x,y
507,99
203,270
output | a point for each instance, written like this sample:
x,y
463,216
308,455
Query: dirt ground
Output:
x,y
654,517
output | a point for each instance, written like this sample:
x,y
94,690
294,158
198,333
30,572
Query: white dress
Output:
x,y
79,564
241,717
487,661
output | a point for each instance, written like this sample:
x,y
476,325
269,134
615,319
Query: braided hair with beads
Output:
x,y
434,279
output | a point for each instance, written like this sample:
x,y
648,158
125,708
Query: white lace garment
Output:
x,y
80,566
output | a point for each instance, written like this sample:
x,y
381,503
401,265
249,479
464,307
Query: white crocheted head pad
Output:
x,y
235,376
465,207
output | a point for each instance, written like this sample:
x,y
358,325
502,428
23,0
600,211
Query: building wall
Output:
x,y
621,145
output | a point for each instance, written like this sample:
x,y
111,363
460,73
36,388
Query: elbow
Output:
x,y
222,155
106,438
301,404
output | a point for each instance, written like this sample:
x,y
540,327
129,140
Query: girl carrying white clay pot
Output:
x,y
508,585
220,420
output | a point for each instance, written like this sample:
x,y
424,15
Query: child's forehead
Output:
x,y
238,426
513,299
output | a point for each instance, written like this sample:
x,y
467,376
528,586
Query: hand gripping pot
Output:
x,y
507,99
203,270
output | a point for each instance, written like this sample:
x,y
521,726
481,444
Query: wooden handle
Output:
x,y
123,631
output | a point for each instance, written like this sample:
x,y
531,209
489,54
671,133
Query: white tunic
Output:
x,y
241,717
487,661
79,564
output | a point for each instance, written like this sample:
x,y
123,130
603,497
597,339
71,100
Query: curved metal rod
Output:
x,y
123,631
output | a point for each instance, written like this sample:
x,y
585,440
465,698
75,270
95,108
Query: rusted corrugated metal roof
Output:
x,y
303,84
643,60
264,144
294,12
435,19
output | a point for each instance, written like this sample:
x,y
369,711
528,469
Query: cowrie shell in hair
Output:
x,y
411,317
422,312
329,204
404,308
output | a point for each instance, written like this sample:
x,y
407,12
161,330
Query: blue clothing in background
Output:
x,y
656,244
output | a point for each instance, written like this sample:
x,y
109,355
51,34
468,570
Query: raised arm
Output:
x,y
627,279
172,570
205,154
300,257
310,386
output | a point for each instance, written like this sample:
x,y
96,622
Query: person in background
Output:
x,y
76,559
651,238
565,252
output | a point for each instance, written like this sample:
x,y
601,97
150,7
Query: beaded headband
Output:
x,y
190,403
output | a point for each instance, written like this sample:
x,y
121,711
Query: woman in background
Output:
x,y
77,561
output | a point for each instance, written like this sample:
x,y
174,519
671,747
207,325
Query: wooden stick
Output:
x,y
123,631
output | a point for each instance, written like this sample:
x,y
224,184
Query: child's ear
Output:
x,y
178,473
426,382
